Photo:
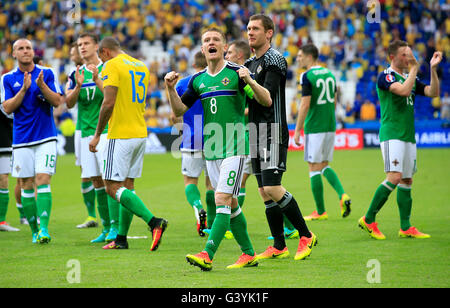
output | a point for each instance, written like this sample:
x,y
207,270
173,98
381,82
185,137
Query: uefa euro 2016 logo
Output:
x,y
74,14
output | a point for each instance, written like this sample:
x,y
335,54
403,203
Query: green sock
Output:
x,y
20,209
287,223
210,208
29,208
317,190
220,226
88,192
44,204
193,196
379,199
404,202
333,179
238,225
4,200
132,203
241,197
114,208
102,206
125,219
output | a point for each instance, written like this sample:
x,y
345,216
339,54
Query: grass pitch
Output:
x,y
343,257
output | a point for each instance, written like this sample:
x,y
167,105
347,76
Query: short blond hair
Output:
x,y
21,39
214,29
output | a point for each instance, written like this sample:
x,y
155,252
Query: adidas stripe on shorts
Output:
x,y
31,160
226,174
399,156
92,163
319,147
123,158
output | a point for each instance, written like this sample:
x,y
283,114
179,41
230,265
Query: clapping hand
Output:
x,y
436,59
412,61
79,77
26,81
94,71
40,80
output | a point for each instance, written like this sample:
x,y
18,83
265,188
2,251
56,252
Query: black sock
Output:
x,y
275,220
154,222
122,239
290,209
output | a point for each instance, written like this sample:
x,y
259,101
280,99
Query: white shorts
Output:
x,y
124,158
226,174
399,156
92,163
5,163
29,161
193,163
319,147
77,146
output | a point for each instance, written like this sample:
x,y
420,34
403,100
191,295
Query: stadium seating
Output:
x,y
168,31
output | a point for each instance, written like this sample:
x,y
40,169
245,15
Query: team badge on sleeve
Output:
x,y
390,78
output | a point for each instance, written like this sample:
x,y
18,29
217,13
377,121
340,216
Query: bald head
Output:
x,y
109,43
23,52
21,42
108,48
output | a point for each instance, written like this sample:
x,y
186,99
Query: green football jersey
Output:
x,y
89,102
320,84
223,97
397,112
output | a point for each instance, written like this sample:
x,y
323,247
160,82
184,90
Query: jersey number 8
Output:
x,y
213,106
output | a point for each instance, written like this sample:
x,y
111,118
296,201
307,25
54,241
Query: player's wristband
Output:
x,y
249,91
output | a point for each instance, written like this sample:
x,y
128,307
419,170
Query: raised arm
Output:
x,y
433,89
73,93
52,97
98,81
175,102
404,89
261,94
11,104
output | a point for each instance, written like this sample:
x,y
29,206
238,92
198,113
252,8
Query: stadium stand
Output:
x,y
165,34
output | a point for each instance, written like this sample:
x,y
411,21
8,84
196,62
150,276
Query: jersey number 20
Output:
x,y
327,88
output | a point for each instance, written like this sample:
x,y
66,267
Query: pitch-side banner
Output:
x,y
346,139
425,138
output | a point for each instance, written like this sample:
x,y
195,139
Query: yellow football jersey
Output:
x,y
131,77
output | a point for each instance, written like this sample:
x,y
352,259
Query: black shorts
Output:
x,y
268,165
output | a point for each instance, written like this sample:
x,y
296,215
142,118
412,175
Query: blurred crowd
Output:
x,y
354,48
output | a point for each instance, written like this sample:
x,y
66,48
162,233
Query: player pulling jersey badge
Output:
x,y
225,81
